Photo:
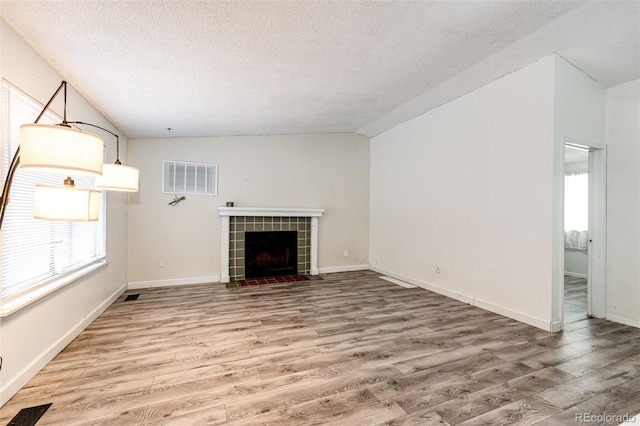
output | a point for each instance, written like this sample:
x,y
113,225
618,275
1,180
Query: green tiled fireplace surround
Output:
x,y
238,225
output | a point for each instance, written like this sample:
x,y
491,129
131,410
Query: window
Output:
x,y
576,201
189,178
576,210
35,251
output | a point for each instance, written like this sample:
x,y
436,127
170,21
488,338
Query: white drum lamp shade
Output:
x,y
116,177
61,150
66,203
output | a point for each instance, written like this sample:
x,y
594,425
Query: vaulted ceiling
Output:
x,y
210,68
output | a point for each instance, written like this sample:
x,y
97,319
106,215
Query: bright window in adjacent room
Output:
x,y
189,178
36,252
576,201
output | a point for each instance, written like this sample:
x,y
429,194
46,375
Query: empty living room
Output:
x,y
320,212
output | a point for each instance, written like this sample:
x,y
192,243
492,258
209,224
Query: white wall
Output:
x,y
468,187
623,203
312,171
576,263
33,336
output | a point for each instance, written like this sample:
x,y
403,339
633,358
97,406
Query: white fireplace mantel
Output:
x,y
227,212
269,211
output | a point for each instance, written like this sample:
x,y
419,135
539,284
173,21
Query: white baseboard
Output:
x,y
624,321
575,274
216,279
544,325
425,285
397,281
556,326
518,316
346,268
28,372
173,282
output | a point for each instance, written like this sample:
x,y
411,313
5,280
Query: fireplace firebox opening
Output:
x,y
271,253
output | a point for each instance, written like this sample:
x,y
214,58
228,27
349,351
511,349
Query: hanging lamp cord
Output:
x,y
108,131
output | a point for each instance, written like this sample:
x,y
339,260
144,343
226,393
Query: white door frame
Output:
x,y
596,281
596,296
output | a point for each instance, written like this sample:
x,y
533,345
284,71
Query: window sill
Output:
x,y
9,308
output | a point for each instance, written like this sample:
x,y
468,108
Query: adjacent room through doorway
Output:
x,y
576,229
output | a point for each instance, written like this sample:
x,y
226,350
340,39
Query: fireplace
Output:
x,y
237,222
270,253
239,227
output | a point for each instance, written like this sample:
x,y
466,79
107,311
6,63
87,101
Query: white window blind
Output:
x,y
36,251
189,178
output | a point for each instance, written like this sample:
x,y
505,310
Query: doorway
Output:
x,y
584,231
576,233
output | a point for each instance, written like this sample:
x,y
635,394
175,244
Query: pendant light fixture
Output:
x,y
116,176
67,203
62,150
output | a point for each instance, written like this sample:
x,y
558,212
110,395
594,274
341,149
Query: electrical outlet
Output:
x,y
438,270
162,263
346,253
361,259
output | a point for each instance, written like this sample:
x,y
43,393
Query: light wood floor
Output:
x,y
349,350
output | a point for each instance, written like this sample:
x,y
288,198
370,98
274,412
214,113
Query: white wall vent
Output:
x,y
189,178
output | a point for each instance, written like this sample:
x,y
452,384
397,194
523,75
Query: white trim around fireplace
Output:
x,y
226,212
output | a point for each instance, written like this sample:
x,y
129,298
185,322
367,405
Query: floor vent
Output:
x,y
132,297
29,416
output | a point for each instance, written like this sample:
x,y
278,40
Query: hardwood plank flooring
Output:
x,y
350,349
575,300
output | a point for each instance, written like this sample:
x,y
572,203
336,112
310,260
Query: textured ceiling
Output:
x,y
207,68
